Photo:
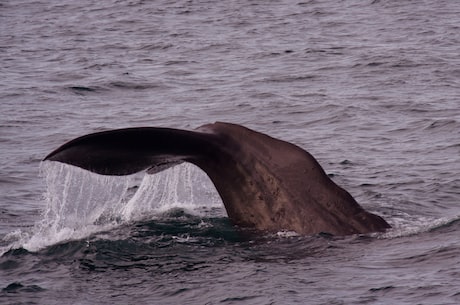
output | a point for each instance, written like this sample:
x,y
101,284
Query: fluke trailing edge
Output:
x,y
264,183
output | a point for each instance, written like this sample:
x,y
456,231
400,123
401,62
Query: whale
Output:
x,y
265,183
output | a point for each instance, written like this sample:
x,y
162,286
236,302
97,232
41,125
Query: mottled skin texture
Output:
x,y
264,183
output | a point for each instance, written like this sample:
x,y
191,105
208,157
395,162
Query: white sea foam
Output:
x,y
407,225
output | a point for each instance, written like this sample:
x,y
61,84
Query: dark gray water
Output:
x,y
370,88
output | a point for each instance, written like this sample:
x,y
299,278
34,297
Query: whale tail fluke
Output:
x,y
265,183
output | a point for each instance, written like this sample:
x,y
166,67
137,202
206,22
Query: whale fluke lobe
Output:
x,y
265,183
128,151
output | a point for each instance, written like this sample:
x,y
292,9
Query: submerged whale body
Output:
x,y
265,183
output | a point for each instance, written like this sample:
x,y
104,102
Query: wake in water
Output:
x,y
408,225
80,203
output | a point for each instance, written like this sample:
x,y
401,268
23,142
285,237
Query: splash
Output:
x,y
79,203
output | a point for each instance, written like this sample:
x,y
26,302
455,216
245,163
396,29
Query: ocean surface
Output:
x,y
370,88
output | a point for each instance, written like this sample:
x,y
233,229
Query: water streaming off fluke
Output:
x,y
79,203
